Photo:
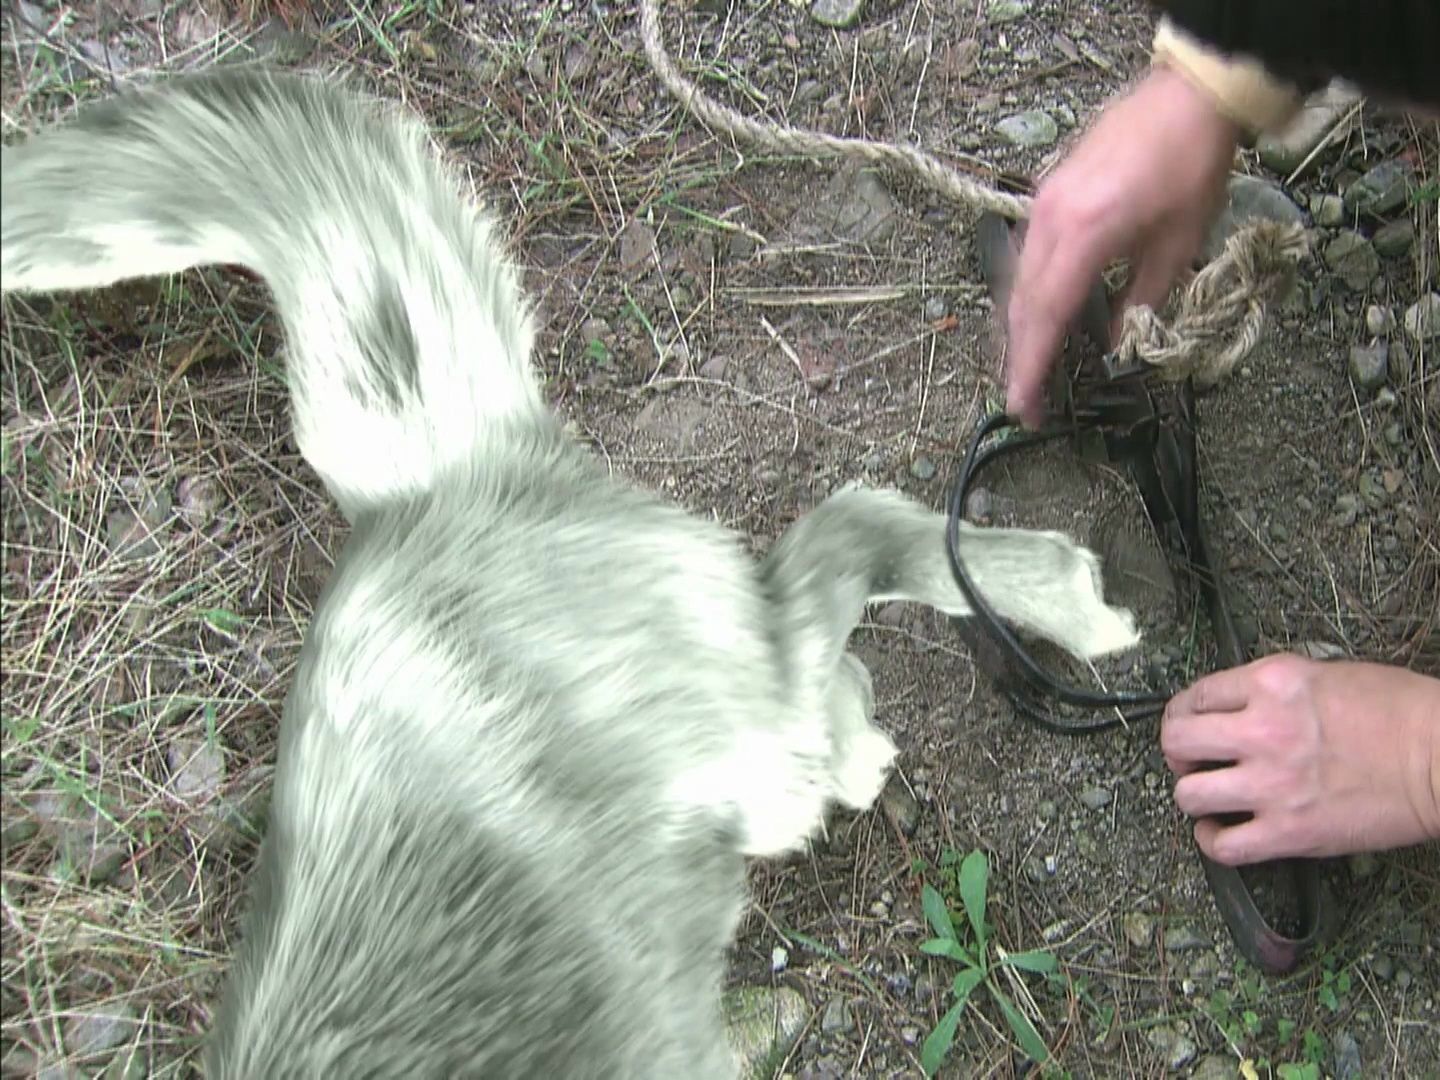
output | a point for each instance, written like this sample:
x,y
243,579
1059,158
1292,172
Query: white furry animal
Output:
x,y
540,716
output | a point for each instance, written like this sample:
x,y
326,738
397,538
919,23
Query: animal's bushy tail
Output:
x,y
406,330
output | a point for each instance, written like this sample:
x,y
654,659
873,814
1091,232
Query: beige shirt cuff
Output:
x,y
1243,91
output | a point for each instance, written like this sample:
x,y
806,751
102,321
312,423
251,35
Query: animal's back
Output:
x,y
498,691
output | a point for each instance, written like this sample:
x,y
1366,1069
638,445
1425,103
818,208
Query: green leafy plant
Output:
x,y
970,945
1333,987
597,353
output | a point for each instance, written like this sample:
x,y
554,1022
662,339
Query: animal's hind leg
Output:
x,y
861,754
863,545
860,546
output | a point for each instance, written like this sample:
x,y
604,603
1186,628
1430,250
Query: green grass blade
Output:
x,y
1040,962
974,877
1025,1033
950,949
936,912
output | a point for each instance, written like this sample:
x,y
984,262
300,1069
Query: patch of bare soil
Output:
x,y
745,333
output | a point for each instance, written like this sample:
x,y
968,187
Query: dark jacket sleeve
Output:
x,y
1388,48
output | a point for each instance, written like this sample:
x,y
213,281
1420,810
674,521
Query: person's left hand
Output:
x,y
1329,758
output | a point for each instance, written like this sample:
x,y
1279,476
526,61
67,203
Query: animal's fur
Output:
x,y
540,715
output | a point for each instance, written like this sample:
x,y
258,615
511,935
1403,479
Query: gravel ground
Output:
x,y
745,333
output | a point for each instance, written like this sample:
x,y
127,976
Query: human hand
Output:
x,y
1330,758
1145,181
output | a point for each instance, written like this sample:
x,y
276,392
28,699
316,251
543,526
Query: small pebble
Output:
x,y
1138,929
838,14
1182,937
1382,189
1353,260
1328,211
1379,320
1422,318
1395,239
836,1018
1370,364
1033,129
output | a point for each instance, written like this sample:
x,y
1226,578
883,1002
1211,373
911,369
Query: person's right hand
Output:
x,y
1144,182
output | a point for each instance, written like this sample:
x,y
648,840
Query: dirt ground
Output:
x,y
745,333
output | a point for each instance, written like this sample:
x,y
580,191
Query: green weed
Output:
x,y
971,946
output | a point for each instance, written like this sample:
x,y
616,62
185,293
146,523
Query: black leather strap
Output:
x,y
1115,416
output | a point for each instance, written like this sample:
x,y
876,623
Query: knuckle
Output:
x,y
1282,676
1229,846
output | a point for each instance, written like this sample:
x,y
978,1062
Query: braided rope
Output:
x,y
1202,340
1221,314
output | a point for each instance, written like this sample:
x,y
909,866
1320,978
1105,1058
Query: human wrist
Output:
x,y
1240,90
1428,718
1422,748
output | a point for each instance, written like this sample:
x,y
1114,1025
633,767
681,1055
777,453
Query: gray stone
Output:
x,y
17,832
197,768
1032,129
1395,239
100,1028
1384,188
979,505
866,211
1250,199
836,13
762,1024
1370,364
922,468
1216,1067
1138,928
1177,1047
130,537
896,798
1353,260
1383,967
1379,320
1004,11
594,329
1181,937
1422,318
1038,870
1205,967
1096,797
836,1019
88,845
199,499
1321,650
1372,489
1347,1057
1328,211
675,423
1286,150
1347,509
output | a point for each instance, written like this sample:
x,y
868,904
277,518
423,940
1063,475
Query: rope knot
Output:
x,y
1220,315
